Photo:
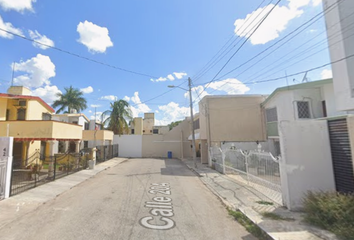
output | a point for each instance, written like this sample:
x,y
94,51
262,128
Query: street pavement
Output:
x,y
136,199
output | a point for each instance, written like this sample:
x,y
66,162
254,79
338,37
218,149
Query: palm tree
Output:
x,y
116,118
71,99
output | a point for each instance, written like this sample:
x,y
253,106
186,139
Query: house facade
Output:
x,y
146,126
305,101
230,118
93,133
28,119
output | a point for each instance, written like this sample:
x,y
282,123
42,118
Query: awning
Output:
x,y
196,135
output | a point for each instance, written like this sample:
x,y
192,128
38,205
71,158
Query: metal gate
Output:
x,y
341,155
3,168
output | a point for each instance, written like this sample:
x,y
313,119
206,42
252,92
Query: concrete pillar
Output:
x,y
77,146
51,158
66,146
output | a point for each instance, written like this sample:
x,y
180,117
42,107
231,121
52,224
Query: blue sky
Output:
x,y
165,41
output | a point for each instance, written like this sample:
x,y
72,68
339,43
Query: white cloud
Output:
x,y
160,79
8,27
98,116
139,107
87,90
327,73
38,70
170,77
40,38
109,97
315,3
94,37
172,112
17,5
275,23
198,92
230,86
95,105
180,75
126,98
47,93
89,111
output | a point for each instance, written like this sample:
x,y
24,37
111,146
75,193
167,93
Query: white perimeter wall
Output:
x,y
306,163
129,145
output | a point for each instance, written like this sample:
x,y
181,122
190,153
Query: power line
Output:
x,y
244,42
318,16
307,50
212,62
77,55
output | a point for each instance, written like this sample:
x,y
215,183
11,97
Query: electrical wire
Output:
x,y
212,62
77,55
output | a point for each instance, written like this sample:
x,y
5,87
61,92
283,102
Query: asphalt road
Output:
x,y
138,199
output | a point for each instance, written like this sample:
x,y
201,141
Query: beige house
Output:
x,y
146,126
28,119
230,118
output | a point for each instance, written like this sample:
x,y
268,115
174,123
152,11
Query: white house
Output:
x,y
313,138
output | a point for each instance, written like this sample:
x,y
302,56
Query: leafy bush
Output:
x,y
331,211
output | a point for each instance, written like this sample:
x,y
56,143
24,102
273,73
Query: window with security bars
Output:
x,y
271,115
303,109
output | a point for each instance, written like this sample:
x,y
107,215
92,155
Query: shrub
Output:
x,y
331,211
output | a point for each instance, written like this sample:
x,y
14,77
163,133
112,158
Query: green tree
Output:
x,y
173,124
116,118
71,99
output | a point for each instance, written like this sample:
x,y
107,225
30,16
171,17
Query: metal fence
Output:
x,y
38,169
260,170
106,152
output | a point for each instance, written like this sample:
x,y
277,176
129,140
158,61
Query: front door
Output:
x,y
17,154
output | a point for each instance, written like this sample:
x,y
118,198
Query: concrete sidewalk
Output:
x,y
237,196
27,202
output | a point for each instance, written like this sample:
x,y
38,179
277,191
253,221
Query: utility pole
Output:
x,y
13,74
192,122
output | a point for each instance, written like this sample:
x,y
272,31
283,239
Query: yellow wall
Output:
x,y
138,126
19,90
41,129
3,107
88,135
35,110
12,109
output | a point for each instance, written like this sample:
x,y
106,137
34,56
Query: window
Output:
x,y
21,114
7,114
22,103
87,126
303,109
155,131
132,131
46,116
271,115
324,109
85,144
196,124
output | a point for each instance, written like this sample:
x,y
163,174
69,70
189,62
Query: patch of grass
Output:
x,y
265,203
248,224
331,211
275,216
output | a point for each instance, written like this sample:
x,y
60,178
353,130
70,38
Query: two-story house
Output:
x,y
28,119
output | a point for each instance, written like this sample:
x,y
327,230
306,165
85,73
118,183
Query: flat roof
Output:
x,y
306,85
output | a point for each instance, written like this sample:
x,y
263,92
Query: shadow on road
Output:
x,y
175,167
